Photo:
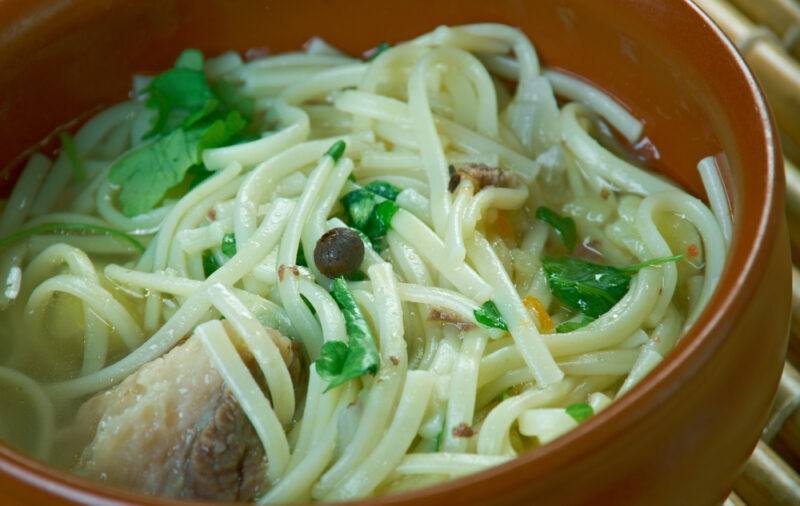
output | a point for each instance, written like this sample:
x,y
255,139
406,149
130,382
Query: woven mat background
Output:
x,y
767,33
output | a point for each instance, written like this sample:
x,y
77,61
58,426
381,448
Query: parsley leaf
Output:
x,y
228,246
579,411
339,362
490,316
563,225
591,288
574,324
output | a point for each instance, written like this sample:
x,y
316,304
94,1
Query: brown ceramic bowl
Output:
x,y
681,436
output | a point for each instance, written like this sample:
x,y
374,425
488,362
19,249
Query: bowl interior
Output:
x,y
62,59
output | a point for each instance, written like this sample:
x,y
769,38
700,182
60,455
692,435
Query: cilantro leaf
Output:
x,y
591,288
574,324
228,246
339,362
490,316
179,95
147,172
579,411
563,225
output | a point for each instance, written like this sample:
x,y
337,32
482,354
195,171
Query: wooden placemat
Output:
x,y
767,33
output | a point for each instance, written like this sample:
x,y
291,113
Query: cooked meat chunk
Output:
x,y
481,175
174,429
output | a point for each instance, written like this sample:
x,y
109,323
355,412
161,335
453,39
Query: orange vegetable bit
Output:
x,y
535,306
504,227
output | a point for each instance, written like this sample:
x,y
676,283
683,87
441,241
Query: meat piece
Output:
x,y
482,175
174,429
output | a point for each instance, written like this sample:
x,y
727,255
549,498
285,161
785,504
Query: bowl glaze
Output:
x,y
685,432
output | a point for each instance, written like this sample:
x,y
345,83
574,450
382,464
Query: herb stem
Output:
x,y
49,228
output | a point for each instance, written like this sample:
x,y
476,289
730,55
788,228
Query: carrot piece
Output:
x,y
536,307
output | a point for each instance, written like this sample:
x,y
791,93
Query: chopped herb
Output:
x,y
370,215
336,150
580,411
574,324
490,316
210,264
339,362
359,205
65,228
563,225
380,220
384,189
383,46
68,145
228,246
591,288
505,394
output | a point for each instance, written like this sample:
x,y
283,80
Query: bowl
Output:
x,y
685,432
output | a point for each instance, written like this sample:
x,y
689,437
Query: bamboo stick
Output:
x,y
780,16
778,73
767,480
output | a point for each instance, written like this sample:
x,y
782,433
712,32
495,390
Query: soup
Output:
x,y
310,276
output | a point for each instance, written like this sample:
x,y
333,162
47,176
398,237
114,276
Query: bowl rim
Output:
x,y
693,351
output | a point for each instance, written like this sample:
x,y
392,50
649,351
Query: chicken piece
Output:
x,y
481,175
174,429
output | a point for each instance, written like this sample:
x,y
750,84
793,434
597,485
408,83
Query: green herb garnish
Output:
x,y
574,324
68,145
190,118
336,150
339,362
228,245
384,189
64,228
368,214
301,257
591,288
563,225
490,316
579,411
379,221
210,263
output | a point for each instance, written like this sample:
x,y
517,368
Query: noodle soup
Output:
x,y
314,276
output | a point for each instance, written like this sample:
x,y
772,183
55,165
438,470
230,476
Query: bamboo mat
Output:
x,y
767,32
